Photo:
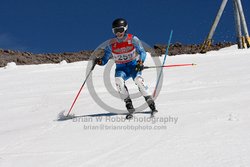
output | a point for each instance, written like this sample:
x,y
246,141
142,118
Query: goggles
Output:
x,y
119,29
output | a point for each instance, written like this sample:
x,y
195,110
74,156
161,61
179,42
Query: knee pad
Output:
x,y
121,87
143,88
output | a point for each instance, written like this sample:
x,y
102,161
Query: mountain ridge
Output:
x,y
27,58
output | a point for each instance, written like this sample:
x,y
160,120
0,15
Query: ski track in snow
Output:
x,y
210,100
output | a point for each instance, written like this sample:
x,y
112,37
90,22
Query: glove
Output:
x,y
98,61
139,66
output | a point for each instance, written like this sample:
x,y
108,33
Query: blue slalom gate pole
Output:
x,y
163,63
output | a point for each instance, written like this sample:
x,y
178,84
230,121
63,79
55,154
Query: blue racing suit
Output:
x,y
125,68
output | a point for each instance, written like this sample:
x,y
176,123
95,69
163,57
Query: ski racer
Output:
x,y
129,56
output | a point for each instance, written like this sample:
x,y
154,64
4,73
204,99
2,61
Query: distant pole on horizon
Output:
x,y
243,22
240,24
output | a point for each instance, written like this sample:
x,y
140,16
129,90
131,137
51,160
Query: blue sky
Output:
x,y
53,26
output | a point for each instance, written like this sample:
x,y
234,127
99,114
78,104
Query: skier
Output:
x,y
129,56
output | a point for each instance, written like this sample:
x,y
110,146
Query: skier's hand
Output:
x,y
139,66
98,61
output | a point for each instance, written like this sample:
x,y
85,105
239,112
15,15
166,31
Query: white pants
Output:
x,y
123,91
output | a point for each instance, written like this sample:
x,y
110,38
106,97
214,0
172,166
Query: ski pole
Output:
x,y
167,66
92,68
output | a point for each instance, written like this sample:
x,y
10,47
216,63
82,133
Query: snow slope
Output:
x,y
203,117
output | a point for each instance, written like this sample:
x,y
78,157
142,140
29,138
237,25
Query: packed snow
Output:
x,y
10,65
203,117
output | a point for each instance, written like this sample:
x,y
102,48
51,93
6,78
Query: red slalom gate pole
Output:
x,y
167,66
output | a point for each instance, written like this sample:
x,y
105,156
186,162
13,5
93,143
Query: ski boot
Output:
x,y
129,107
151,105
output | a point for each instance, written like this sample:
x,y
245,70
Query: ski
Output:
x,y
131,113
152,114
129,116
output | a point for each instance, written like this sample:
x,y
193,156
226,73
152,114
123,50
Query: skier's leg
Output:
x,y
143,88
123,91
121,87
151,103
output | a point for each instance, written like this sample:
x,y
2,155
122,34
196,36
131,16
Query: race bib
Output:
x,y
124,58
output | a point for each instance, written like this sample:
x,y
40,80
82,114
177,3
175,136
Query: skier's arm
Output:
x,y
105,58
139,48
